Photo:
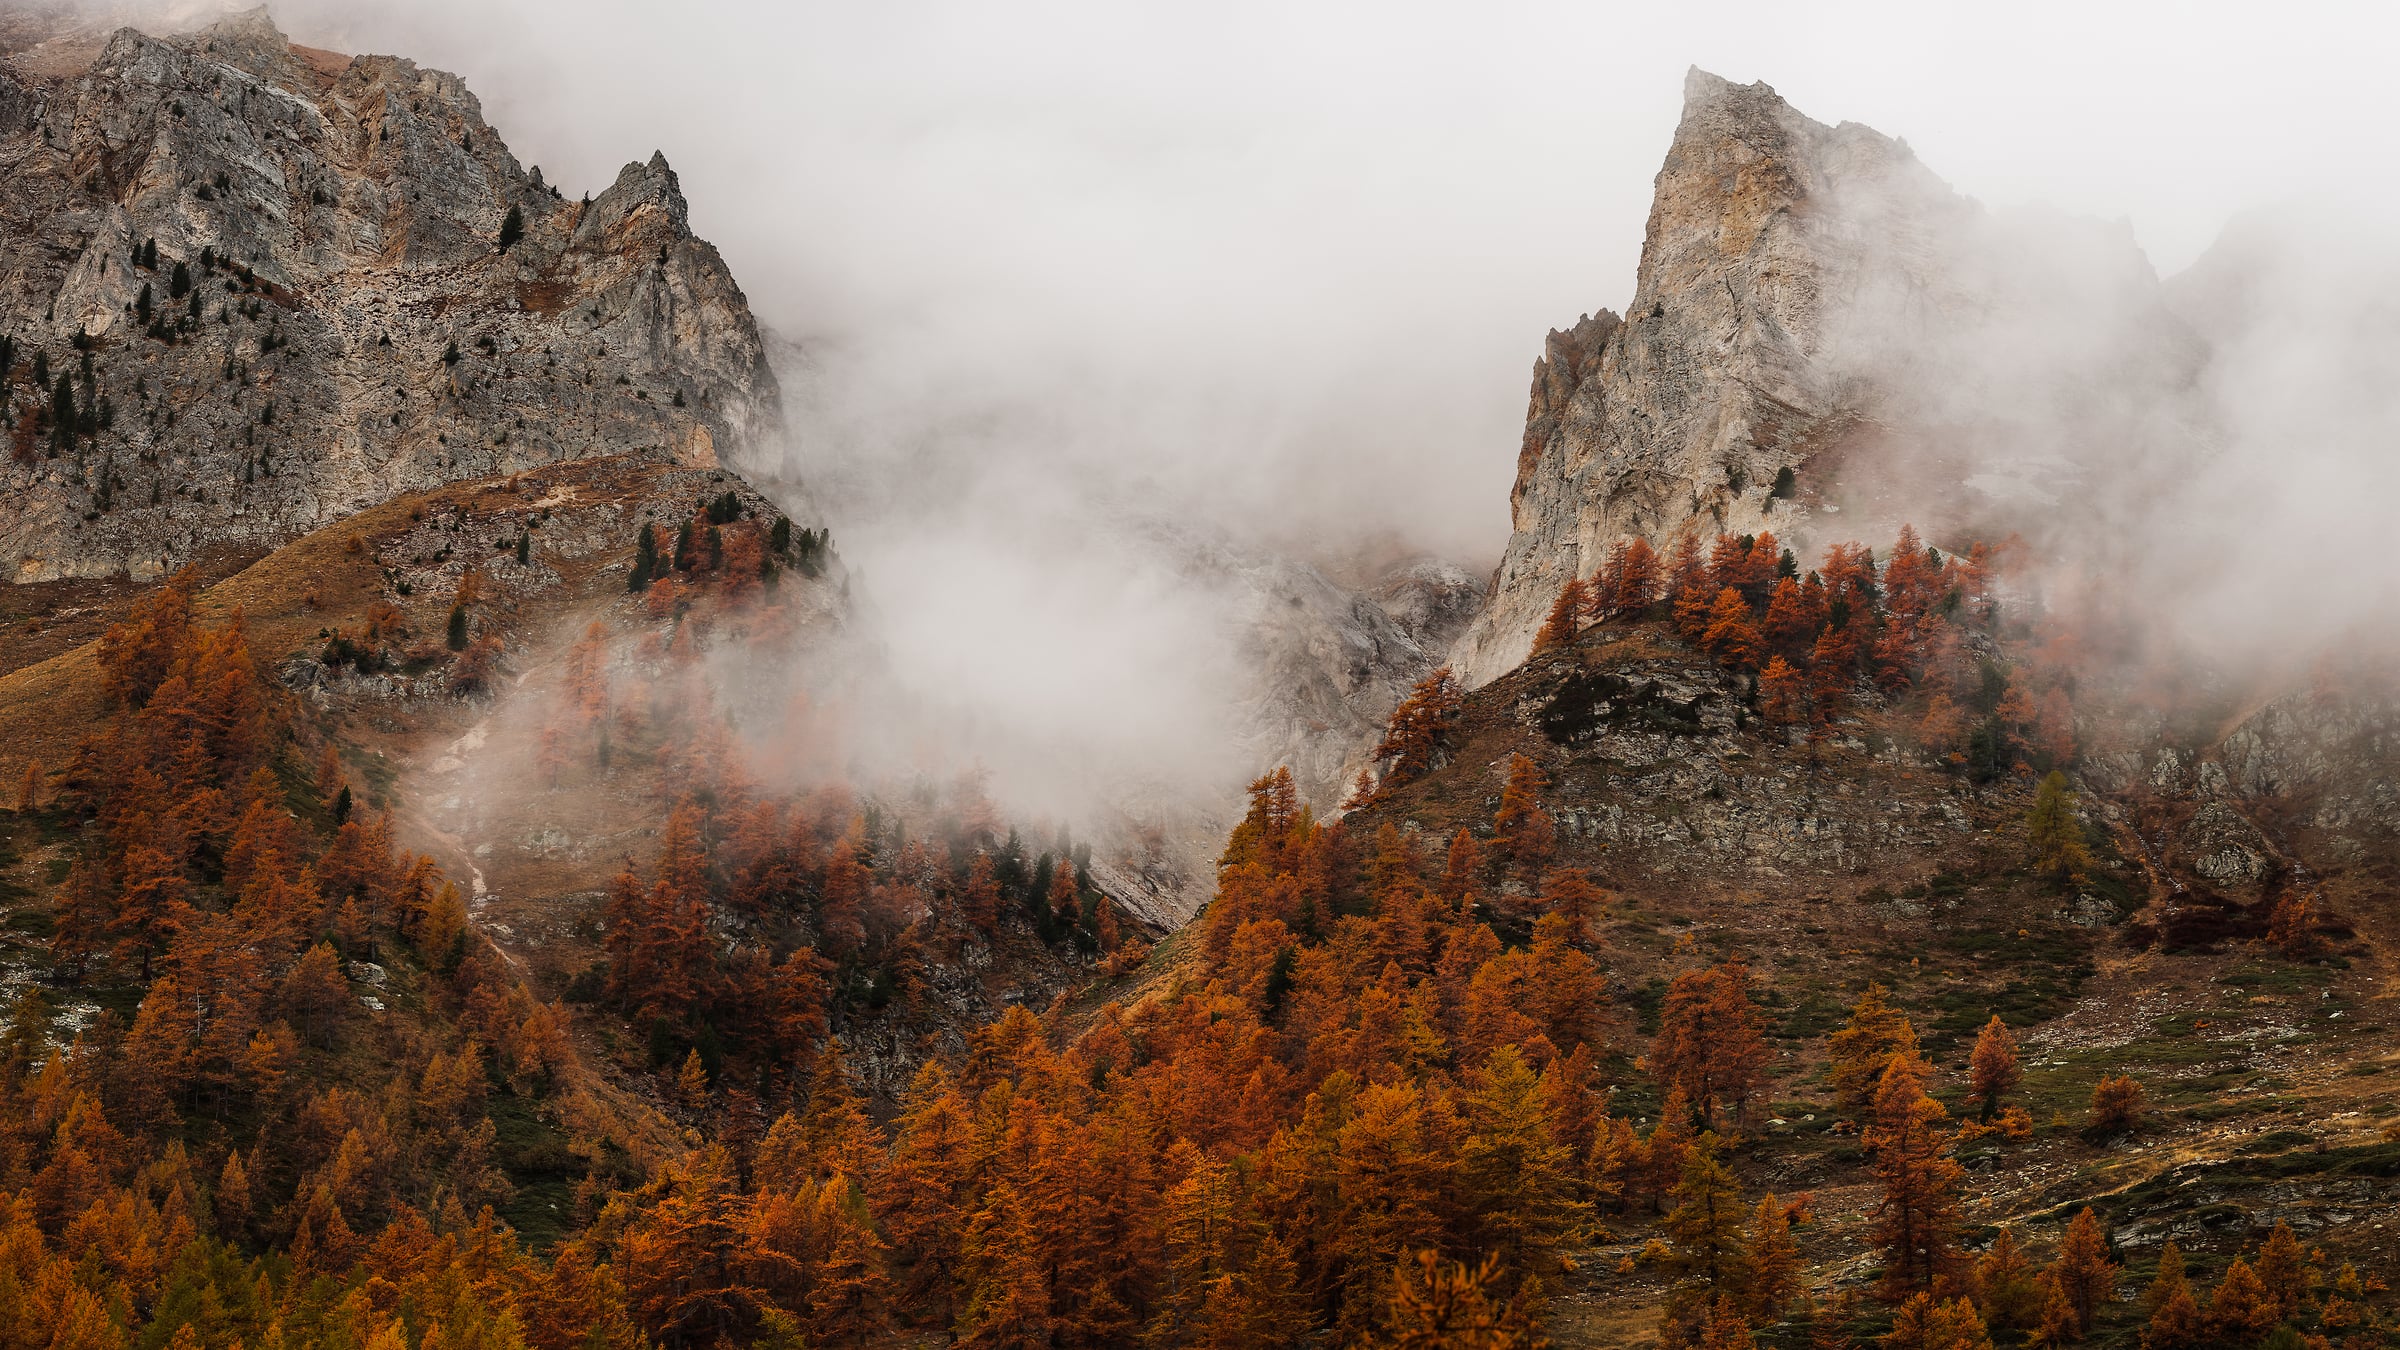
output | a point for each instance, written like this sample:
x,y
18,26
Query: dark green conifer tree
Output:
x,y
645,560
62,415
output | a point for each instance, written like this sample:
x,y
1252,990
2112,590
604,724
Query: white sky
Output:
x,y
1314,247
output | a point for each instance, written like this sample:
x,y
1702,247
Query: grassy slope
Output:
x,y
2269,1105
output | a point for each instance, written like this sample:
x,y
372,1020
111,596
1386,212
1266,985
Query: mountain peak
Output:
x,y
255,24
1797,280
1703,88
212,206
250,41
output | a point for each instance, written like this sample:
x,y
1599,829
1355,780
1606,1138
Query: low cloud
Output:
x,y
1069,285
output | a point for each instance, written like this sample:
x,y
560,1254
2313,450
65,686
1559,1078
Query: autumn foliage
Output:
x,y
1920,629
1412,743
1711,1044
1382,1096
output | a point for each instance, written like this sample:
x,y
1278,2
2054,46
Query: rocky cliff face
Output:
x,y
1317,658
1330,663
282,285
1813,299
1689,406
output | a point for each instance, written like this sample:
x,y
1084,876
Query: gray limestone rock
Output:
x,y
353,327
1813,300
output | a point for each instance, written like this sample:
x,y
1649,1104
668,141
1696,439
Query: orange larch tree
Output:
x,y
1566,615
981,901
1760,566
1627,583
1916,1221
138,653
1849,572
2083,1271
1711,1041
1688,590
1783,693
1522,832
1992,1070
1461,865
1728,557
1411,743
1788,627
1730,635
1876,1036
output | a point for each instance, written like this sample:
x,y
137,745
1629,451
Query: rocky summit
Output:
x,y
1820,325
249,288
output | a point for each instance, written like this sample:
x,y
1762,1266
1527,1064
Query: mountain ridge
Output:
x,y
290,296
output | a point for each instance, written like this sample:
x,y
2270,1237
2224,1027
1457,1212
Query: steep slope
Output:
x,y
1825,342
1328,662
1318,663
1864,855
264,287
1692,405
1818,325
550,750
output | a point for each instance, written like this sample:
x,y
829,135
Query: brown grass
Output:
x,y
49,698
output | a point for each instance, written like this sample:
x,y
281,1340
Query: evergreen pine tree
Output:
x,y
62,415
645,560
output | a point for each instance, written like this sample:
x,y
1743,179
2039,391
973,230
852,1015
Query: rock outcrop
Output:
x,y
280,285
1314,664
1819,324
1328,664
1692,404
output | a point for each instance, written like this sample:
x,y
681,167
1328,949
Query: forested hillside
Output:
x,y
1456,1069
498,889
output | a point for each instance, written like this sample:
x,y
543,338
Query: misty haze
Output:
x,y
896,676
